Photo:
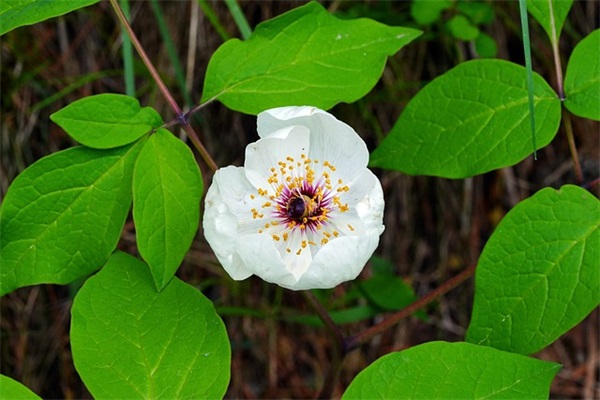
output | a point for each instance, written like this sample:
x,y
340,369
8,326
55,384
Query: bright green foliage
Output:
x,y
63,216
131,342
303,57
550,14
486,46
461,28
107,120
11,389
538,275
167,187
15,13
426,12
441,370
470,120
582,80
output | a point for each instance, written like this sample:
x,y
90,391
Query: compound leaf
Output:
x,y
582,80
11,389
106,120
62,217
550,14
441,370
538,274
15,13
167,187
129,341
303,57
470,120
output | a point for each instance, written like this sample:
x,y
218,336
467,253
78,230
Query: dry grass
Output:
x,y
434,227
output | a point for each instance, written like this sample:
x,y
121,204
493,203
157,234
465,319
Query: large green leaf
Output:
x,y
550,14
167,187
303,57
63,216
538,274
440,370
470,120
106,120
11,389
582,80
15,13
131,342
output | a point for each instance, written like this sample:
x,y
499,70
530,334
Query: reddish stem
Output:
x,y
181,117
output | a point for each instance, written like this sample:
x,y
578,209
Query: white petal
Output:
x,y
262,259
220,223
265,153
330,139
340,260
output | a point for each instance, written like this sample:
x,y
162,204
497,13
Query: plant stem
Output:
x,y
572,146
338,351
356,341
555,52
181,117
127,52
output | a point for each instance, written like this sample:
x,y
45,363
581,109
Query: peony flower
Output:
x,y
304,212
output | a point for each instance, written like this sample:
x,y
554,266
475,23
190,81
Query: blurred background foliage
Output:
x,y
434,227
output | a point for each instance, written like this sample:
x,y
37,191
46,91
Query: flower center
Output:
x,y
299,202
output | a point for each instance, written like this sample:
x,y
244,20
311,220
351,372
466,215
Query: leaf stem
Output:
x,y
339,348
555,53
356,341
181,117
572,146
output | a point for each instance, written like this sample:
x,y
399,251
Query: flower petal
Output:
x,y
266,153
338,261
330,139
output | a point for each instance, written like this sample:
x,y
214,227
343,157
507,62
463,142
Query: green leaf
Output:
x,y
441,370
11,389
63,216
303,57
551,15
538,274
470,120
107,120
486,46
388,292
15,13
167,187
461,28
131,342
582,80
426,12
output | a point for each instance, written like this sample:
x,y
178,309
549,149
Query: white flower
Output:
x,y
304,212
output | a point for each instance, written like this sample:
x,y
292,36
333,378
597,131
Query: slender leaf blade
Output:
x,y
303,57
129,341
468,121
441,370
11,389
167,187
582,80
106,120
551,15
62,217
15,13
538,274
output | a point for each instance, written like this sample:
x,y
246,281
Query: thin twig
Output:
x,y
181,117
572,146
356,341
338,351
